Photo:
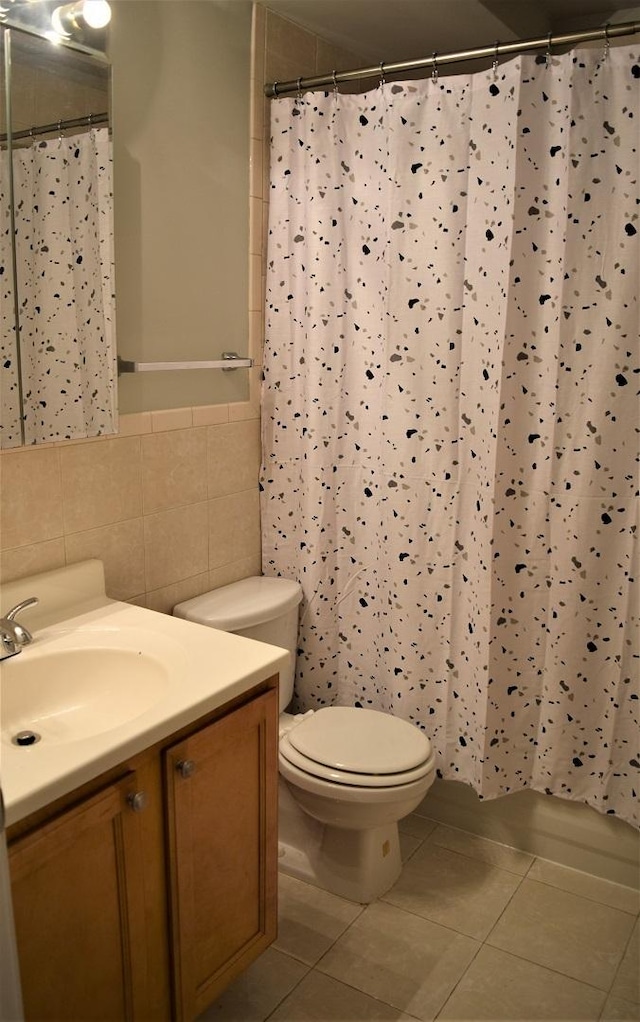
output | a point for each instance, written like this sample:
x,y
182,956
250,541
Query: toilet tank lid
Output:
x,y
251,601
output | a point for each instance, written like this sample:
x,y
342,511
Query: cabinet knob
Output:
x,y
138,801
185,767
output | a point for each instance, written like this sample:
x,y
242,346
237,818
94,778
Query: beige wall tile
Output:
x,y
176,545
134,423
256,336
265,230
164,600
233,457
258,40
256,294
247,567
31,509
255,168
174,468
248,409
234,528
210,415
32,559
120,547
101,484
171,418
255,228
257,118
335,58
284,39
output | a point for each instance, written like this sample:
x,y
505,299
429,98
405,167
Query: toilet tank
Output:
x,y
259,608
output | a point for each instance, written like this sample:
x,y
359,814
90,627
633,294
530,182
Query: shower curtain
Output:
x,y
63,199
450,414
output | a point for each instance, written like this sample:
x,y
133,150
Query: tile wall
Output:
x,y
170,505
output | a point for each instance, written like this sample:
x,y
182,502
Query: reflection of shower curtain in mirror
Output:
x,y
450,414
64,254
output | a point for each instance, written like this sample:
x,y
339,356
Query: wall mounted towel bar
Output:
x,y
228,357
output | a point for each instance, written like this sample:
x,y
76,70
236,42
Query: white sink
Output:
x,y
102,681
76,693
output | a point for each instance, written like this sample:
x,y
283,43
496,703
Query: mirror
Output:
x,y
57,319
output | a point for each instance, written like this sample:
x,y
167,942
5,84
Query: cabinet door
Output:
x,y
77,891
222,814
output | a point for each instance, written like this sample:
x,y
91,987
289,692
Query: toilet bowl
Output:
x,y
347,775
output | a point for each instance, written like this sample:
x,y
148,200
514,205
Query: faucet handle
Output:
x,y
29,602
19,635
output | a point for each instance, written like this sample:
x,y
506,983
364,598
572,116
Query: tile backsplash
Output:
x,y
170,505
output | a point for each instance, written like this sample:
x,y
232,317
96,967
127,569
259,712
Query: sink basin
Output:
x,y
71,694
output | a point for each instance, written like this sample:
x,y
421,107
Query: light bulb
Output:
x,y
96,13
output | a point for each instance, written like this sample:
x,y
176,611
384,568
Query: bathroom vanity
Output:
x,y
143,857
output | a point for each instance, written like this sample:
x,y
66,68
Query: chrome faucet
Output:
x,y
13,635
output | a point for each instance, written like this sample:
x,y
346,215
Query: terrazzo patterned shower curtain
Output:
x,y
450,414
63,198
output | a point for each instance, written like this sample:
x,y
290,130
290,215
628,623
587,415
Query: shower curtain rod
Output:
x,y
46,129
274,90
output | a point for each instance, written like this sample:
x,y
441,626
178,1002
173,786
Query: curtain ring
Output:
x,y
335,82
299,89
547,56
382,79
275,90
607,43
494,66
434,69
59,131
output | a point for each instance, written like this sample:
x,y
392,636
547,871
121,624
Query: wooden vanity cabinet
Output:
x,y
146,908
77,889
222,833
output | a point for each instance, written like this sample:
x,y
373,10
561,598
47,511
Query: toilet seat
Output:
x,y
357,747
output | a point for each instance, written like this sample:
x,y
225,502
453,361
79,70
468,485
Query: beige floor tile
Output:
x,y
408,845
417,826
320,998
400,958
500,986
464,894
627,982
562,931
257,991
477,847
587,886
310,920
617,1010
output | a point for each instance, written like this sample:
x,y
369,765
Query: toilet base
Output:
x,y
360,865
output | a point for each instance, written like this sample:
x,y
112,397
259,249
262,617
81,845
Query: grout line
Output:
x,y
622,957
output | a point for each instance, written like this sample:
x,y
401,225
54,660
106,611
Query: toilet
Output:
x,y
347,775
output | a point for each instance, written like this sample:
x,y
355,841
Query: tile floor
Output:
x,y
472,930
